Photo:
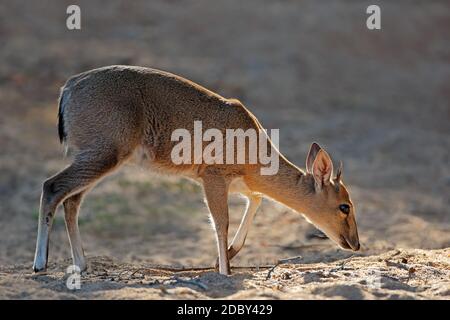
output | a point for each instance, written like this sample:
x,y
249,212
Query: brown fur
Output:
x,y
107,114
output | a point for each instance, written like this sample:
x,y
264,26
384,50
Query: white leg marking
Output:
x,y
252,206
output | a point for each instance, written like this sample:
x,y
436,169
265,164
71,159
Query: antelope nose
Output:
x,y
354,244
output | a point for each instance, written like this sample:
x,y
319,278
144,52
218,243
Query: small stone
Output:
x,y
285,276
404,260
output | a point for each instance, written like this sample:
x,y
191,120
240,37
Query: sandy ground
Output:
x,y
397,274
379,101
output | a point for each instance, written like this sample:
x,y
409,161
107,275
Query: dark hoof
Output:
x,y
39,270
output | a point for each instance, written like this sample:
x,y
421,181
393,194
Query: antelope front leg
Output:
x,y
216,192
254,201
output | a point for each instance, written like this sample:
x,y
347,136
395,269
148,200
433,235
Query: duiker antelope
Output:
x,y
109,114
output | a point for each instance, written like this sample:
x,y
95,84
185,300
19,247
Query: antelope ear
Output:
x,y
339,171
313,150
322,169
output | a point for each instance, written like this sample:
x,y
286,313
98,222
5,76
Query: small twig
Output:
x,y
181,269
281,261
194,269
286,260
269,274
192,282
395,264
136,271
396,253
304,246
346,260
19,275
343,263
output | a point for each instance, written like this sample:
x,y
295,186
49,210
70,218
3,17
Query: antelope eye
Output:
x,y
345,208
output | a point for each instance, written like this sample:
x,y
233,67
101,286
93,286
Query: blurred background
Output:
x,y
377,100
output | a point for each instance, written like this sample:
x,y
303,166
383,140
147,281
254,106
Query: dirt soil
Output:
x,y
377,100
397,274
